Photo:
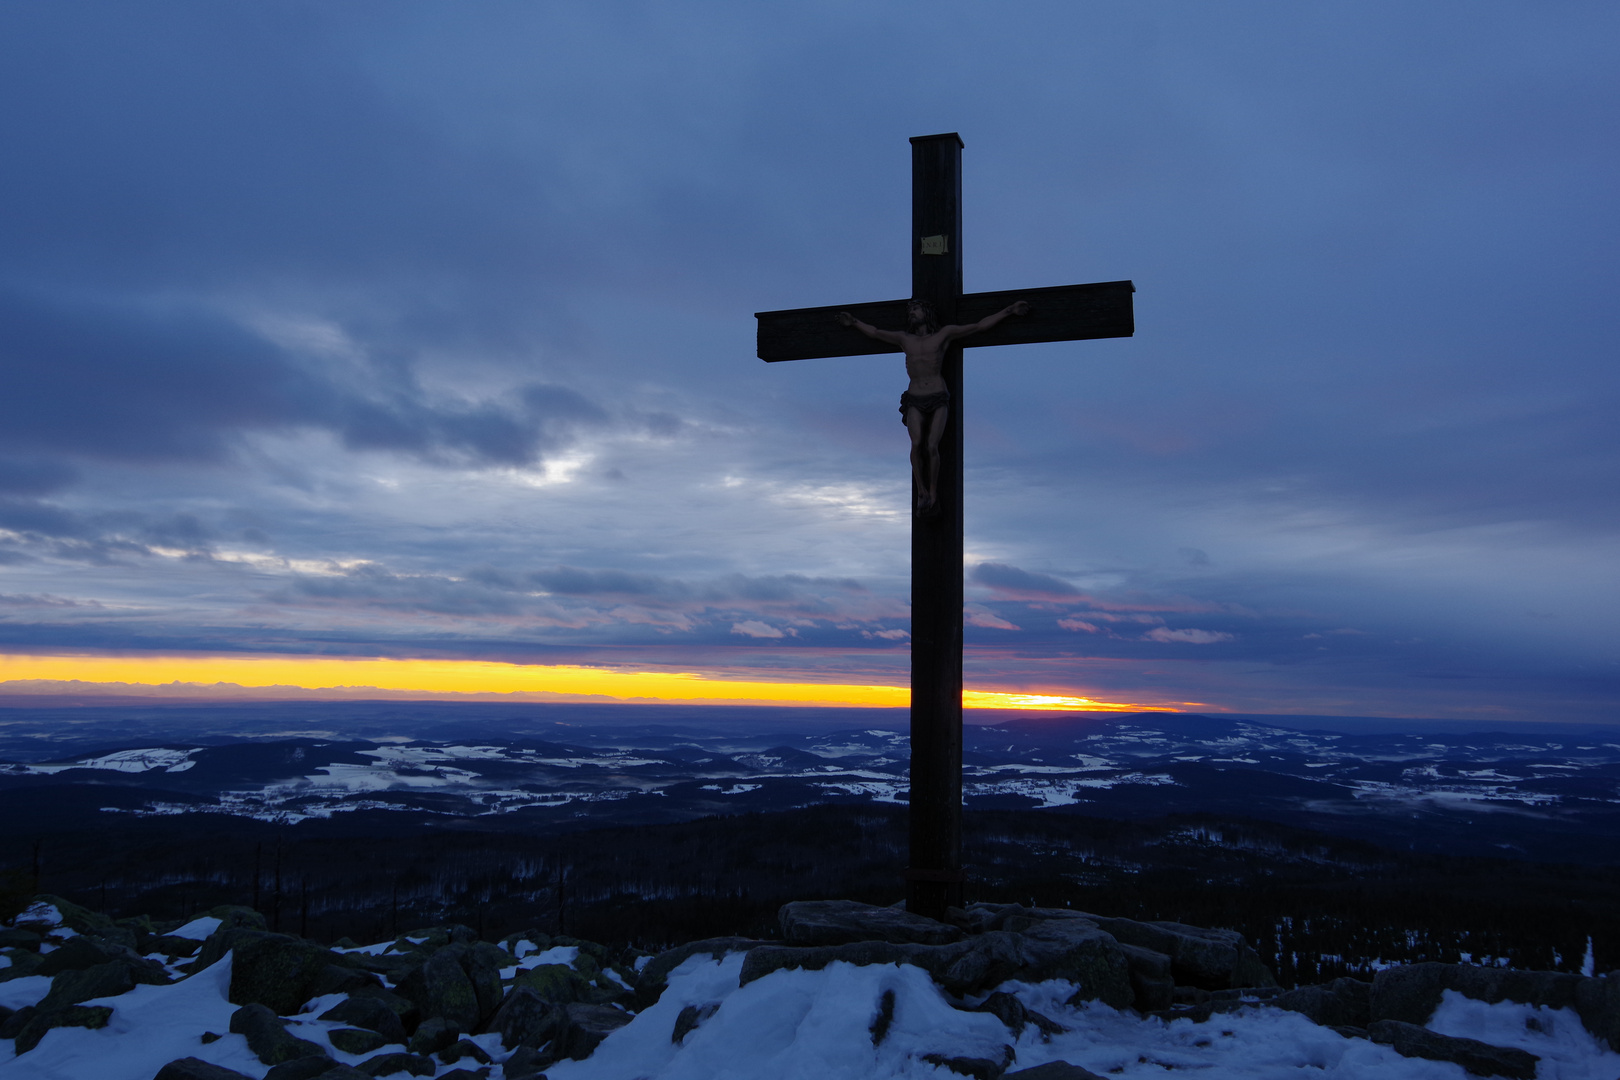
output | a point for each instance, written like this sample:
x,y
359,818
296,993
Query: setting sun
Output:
x,y
304,676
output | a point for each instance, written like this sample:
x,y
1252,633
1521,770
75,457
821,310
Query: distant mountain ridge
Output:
x,y
1550,797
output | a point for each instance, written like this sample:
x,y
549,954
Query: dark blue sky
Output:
x,y
426,330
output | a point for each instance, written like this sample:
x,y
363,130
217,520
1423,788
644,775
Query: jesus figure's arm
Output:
x,y
888,337
1019,307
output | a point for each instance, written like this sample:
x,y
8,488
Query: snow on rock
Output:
x,y
150,1027
26,990
799,1025
790,1025
565,955
1566,1049
197,929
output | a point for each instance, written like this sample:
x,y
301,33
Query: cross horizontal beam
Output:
x,y
1058,313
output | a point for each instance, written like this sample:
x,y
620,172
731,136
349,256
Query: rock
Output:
x,y
273,970
103,980
78,953
1251,973
839,922
368,1012
879,1027
527,1019
401,1007
1598,1003
1059,949
1211,959
1411,993
339,979
440,987
85,1016
1017,1016
978,918
1053,1070
81,920
434,1034
1152,986
1071,949
392,1064
764,959
23,964
1481,1059
18,938
343,1072
978,1068
175,946
465,1074
588,1025
1018,919
232,916
524,1064
1340,1003
692,1016
462,1049
584,981
17,1021
654,977
561,984
304,1068
267,1035
198,1069
358,1040
482,964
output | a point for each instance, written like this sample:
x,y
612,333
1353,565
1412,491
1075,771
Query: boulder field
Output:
x,y
441,997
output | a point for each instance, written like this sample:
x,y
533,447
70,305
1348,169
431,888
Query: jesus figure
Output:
x,y
925,407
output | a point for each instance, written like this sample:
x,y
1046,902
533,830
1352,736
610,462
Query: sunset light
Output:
x,y
350,678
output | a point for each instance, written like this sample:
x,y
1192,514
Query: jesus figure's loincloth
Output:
x,y
926,404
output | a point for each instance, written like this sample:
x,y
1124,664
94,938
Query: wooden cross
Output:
x,y
1063,313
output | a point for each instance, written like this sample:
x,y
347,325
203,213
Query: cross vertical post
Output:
x,y
934,876
1053,313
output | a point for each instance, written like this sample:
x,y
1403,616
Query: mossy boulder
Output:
x,y
85,1016
356,1040
23,963
273,970
267,1036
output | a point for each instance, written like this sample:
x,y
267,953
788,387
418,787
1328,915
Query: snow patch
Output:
x,y
1567,1050
197,929
150,1027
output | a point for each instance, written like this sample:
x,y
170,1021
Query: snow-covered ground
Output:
x,y
817,1025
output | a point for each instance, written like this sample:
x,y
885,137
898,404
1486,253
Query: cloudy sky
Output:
x,y
423,331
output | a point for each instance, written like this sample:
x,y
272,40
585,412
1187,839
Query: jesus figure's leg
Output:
x,y
927,431
936,434
917,425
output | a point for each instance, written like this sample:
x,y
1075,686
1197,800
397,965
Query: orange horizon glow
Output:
x,y
309,676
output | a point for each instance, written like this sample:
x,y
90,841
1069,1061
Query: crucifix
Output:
x,y
940,320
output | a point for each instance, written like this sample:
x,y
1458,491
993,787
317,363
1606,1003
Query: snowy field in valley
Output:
x,y
1536,794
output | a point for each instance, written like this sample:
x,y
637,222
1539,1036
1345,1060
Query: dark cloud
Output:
x,y
1013,581
34,476
138,384
572,581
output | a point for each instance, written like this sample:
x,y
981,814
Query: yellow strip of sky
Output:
x,y
488,677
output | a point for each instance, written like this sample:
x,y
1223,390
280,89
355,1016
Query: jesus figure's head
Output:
x,y
921,317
